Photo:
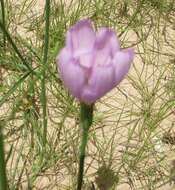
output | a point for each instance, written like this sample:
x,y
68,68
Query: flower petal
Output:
x,y
86,60
106,45
72,74
101,81
81,37
88,95
122,62
64,56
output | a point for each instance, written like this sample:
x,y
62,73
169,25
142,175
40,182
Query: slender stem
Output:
x,y
10,40
3,21
45,59
86,117
82,158
3,18
3,180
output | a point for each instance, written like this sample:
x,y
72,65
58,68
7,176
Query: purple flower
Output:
x,y
92,63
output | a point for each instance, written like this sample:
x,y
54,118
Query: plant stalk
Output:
x,y
86,117
17,51
3,179
3,20
43,80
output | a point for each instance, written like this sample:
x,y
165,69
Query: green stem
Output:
x,y
3,180
10,40
86,117
45,59
3,18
